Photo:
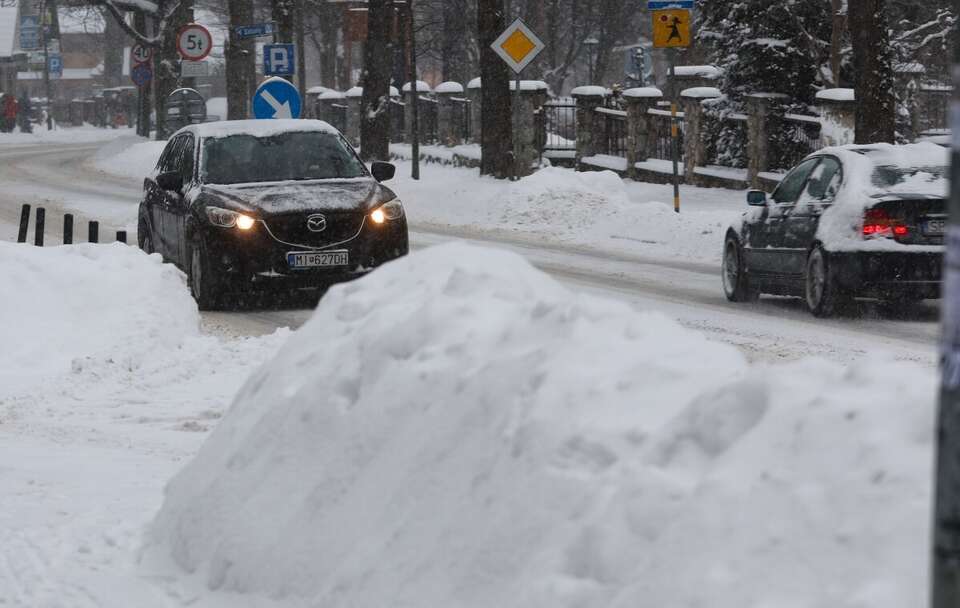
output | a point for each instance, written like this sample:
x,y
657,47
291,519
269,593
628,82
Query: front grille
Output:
x,y
292,228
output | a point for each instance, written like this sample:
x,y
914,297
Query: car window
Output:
x,y
186,159
824,182
789,189
167,159
294,155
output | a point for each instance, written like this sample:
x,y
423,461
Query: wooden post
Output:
x,y
38,232
24,223
68,229
93,232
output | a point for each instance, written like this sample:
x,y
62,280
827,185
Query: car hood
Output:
x,y
274,198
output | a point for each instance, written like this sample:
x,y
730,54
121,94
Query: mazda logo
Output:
x,y
317,223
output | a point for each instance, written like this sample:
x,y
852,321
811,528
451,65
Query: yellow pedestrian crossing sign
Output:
x,y
671,28
518,46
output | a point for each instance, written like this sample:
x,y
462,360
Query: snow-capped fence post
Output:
x,y
449,132
838,115
39,227
24,223
426,123
762,111
354,99
694,152
589,132
331,108
641,132
474,94
533,94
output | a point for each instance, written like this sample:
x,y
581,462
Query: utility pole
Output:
x,y
945,581
414,93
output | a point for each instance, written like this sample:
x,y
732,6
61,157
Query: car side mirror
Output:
x,y
382,171
170,180
756,198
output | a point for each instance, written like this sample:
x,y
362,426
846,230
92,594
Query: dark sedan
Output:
x,y
283,204
847,222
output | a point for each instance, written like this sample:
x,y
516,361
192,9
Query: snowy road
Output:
x,y
59,176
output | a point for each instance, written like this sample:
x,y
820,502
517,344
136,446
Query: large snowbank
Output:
x,y
459,430
63,304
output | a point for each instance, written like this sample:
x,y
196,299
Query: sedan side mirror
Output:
x,y
170,180
756,198
382,171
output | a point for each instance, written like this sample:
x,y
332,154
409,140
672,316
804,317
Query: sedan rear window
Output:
x,y
244,158
888,177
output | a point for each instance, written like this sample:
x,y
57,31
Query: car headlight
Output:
x,y
228,219
387,212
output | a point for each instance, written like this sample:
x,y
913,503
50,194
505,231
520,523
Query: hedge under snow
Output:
x,y
457,429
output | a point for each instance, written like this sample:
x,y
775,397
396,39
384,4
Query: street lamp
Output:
x,y
591,44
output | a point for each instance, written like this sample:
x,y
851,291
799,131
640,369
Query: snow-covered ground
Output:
x,y
594,210
62,135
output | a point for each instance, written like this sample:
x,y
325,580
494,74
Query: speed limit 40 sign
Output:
x,y
194,42
141,54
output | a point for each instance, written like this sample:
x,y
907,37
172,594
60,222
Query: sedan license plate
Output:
x,y
317,259
934,227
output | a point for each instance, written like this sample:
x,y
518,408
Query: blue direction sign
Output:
x,y
279,59
29,32
55,66
276,98
660,5
141,74
256,30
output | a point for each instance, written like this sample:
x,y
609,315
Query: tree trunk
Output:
x,y
238,53
496,127
143,97
454,50
873,72
283,15
839,26
166,62
114,43
378,58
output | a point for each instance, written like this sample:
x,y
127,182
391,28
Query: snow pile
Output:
x,y
65,304
459,430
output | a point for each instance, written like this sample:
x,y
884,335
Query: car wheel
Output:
x,y
736,282
822,293
203,283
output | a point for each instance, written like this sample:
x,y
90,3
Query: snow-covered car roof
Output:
x,y
922,166
257,128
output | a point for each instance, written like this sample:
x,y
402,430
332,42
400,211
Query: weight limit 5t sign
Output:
x,y
194,42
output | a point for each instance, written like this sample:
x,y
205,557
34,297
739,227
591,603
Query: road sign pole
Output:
x,y
674,131
517,169
945,570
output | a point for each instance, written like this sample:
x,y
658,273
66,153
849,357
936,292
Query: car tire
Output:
x,y
736,281
822,294
203,283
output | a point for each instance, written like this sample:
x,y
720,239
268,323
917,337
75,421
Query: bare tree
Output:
x,y
873,72
378,55
240,61
496,139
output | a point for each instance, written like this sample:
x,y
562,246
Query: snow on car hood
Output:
x,y
285,197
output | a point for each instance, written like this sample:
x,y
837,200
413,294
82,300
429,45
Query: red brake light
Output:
x,y
876,222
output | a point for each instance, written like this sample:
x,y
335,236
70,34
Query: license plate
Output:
x,y
934,227
318,259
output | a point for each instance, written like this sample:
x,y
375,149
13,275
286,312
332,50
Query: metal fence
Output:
x,y
462,117
398,129
933,109
429,125
614,128
557,127
663,142
799,136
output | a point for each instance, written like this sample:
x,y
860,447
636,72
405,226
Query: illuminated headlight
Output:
x,y
228,219
390,211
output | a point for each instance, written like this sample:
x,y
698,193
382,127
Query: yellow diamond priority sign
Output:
x,y
518,46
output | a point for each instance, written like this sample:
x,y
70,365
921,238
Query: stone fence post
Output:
x,y
533,94
354,99
475,95
763,113
838,116
449,127
641,132
588,99
694,152
327,111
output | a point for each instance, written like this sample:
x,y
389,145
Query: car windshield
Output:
x,y
245,158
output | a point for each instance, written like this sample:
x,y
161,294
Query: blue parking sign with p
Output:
x,y
279,59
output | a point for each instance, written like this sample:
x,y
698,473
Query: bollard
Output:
x,y
122,236
24,223
68,229
38,233
93,232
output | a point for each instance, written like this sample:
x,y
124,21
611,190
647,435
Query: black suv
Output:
x,y
276,204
